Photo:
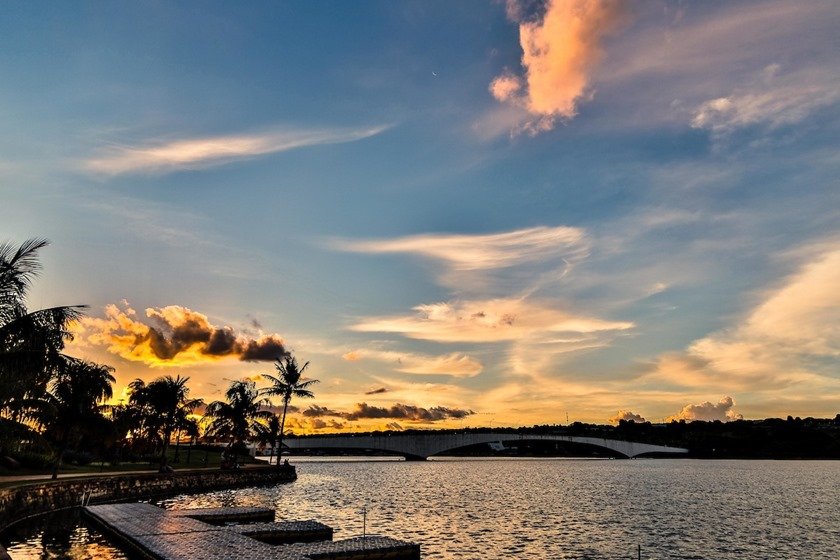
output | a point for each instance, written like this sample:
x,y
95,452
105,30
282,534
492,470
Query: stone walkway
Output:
x,y
177,535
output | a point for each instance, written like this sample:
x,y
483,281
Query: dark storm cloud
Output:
x,y
315,411
176,334
406,412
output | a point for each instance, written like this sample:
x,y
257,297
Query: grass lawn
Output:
x,y
187,458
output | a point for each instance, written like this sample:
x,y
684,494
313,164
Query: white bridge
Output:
x,y
422,446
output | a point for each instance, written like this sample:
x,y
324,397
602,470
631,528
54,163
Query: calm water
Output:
x,y
546,509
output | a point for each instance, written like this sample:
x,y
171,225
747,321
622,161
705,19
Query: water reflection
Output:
x,y
62,535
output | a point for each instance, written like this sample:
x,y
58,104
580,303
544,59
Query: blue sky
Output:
x,y
496,212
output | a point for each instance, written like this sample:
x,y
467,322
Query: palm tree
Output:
x,y
288,384
165,405
269,434
76,393
30,342
237,417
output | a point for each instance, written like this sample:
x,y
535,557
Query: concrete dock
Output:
x,y
161,534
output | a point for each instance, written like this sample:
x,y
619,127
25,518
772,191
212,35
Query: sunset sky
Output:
x,y
461,213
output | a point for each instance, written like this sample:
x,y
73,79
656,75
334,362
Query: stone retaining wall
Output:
x,y
20,502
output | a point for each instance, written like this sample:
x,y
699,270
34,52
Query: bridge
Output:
x,y
422,446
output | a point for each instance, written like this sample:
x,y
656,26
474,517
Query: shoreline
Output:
x,y
33,497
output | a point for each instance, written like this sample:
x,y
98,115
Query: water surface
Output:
x,y
549,508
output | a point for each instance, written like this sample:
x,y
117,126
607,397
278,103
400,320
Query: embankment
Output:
x,y
25,500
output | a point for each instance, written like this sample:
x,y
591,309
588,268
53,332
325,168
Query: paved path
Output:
x,y
91,474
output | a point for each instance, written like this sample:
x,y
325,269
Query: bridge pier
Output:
x,y
414,457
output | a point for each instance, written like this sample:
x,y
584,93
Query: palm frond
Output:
x,y
18,267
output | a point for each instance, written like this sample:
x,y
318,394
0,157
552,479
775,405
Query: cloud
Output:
x,y
313,424
455,364
407,412
708,412
464,252
773,99
484,270
316,411
352,356
377,391
410,413
173,336
627,416
490,321
197,153
790,338
523,260
560,50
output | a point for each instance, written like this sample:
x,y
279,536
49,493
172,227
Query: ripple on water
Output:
x,y
551,509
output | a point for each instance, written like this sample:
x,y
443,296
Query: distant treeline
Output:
x,y
772,438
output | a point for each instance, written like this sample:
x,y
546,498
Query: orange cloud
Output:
x,y
174,336
627,416
709,412
560,51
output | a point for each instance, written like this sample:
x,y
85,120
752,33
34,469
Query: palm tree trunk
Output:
x,y
164,460
64,444
282,426
178,446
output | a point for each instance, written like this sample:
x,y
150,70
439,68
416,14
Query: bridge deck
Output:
x,y
422,446
160,534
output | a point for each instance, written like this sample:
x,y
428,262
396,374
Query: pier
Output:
x,y
160,534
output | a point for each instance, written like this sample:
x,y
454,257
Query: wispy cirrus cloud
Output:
x,y
494,320
167,156
455,364
498,280
497,263
790,339
773,98
479,251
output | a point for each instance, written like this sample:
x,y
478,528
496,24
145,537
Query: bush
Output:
x,y
81,458
32,460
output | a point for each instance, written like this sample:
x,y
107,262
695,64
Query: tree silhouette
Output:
x,y
30,342
165,406
288,384
76,394
269,434
236,418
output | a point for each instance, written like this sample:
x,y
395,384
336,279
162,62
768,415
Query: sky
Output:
x,y
474,213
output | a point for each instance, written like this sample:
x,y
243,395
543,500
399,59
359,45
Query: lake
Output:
x,y
536,508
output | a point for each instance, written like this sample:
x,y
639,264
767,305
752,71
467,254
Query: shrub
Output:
x,y
32,460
